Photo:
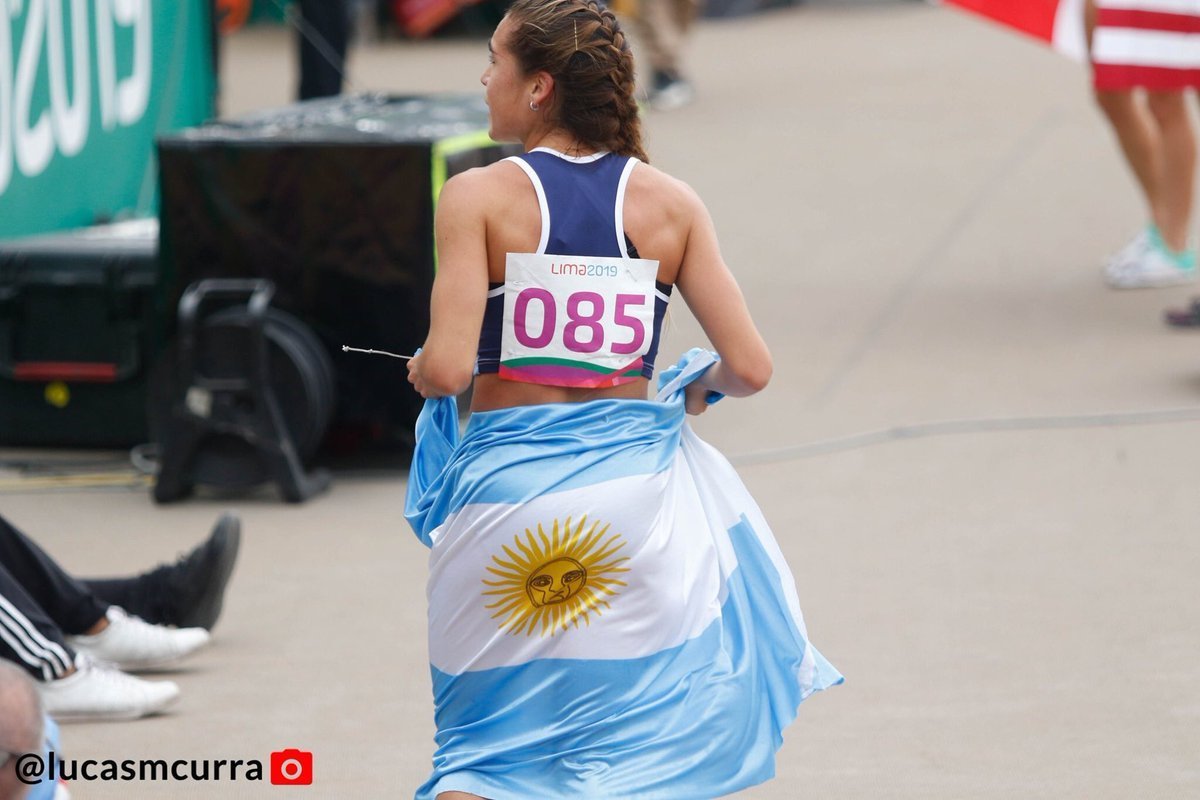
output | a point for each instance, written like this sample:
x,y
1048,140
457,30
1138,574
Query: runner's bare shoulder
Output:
x,y
652,191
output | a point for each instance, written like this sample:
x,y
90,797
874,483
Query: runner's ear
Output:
x,y
542,91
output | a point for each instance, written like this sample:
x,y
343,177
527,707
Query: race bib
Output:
x,y
580,321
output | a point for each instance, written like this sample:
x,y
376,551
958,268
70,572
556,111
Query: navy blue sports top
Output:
x,y
582,202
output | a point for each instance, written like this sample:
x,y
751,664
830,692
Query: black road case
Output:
x,y
333,201
78,333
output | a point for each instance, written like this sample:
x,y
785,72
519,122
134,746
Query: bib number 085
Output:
x,y
584,329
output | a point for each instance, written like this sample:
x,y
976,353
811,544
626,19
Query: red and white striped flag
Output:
x,y
1150,43
1059,23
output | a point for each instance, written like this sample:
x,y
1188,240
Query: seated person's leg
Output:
x,y
28,637
55,601
61,598
72,687
188,593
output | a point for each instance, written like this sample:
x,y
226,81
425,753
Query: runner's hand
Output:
x,y
695,398
414,376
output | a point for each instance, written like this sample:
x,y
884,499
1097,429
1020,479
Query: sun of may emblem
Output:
x,y
551,580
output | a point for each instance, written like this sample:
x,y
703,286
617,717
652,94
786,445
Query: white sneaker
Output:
x,y
675,94
132,643
99,692
1132,252
1153,269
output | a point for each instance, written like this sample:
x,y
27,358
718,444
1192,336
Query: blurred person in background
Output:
x,y
1145,58
21,727
24,728
662,28
324,36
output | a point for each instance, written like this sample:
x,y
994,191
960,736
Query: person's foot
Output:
x,y
1137,247
196,583
670,91
1156,267
132,643
1186,317
100,692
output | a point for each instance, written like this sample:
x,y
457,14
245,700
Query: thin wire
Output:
x,y
348,349
314,37
957,427
839,444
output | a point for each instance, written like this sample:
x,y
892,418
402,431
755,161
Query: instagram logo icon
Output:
x,y
291,767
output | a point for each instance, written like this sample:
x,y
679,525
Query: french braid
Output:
x,y
581,45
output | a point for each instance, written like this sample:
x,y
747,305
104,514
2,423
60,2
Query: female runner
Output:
x,y
609,614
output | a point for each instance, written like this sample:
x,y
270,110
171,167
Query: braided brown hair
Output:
x,y
580,44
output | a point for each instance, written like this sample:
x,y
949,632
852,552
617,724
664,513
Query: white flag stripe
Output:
x,y
673,590
1070,38
1144,48
725,498
1161,6
725,486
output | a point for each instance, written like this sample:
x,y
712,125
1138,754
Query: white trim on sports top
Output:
x,y
541,196
619,211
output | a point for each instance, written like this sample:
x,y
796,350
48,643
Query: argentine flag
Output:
x,y
609,614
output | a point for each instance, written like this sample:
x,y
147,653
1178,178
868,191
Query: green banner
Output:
x,y
269,10
85,86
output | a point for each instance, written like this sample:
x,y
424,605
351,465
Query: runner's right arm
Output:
x,y
446,362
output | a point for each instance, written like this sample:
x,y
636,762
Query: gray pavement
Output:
x,y
916,204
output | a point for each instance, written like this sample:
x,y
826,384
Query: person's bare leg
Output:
x,y
1134,125
1175,183
457,796
1140,139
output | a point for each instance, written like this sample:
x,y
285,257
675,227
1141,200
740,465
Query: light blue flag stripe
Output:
x,y
551,444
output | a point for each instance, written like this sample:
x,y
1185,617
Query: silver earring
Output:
x,y
533,106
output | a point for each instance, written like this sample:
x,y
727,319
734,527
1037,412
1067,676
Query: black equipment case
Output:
x,y
332,201
78,335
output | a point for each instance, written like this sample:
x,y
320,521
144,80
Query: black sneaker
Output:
x,y
197,582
